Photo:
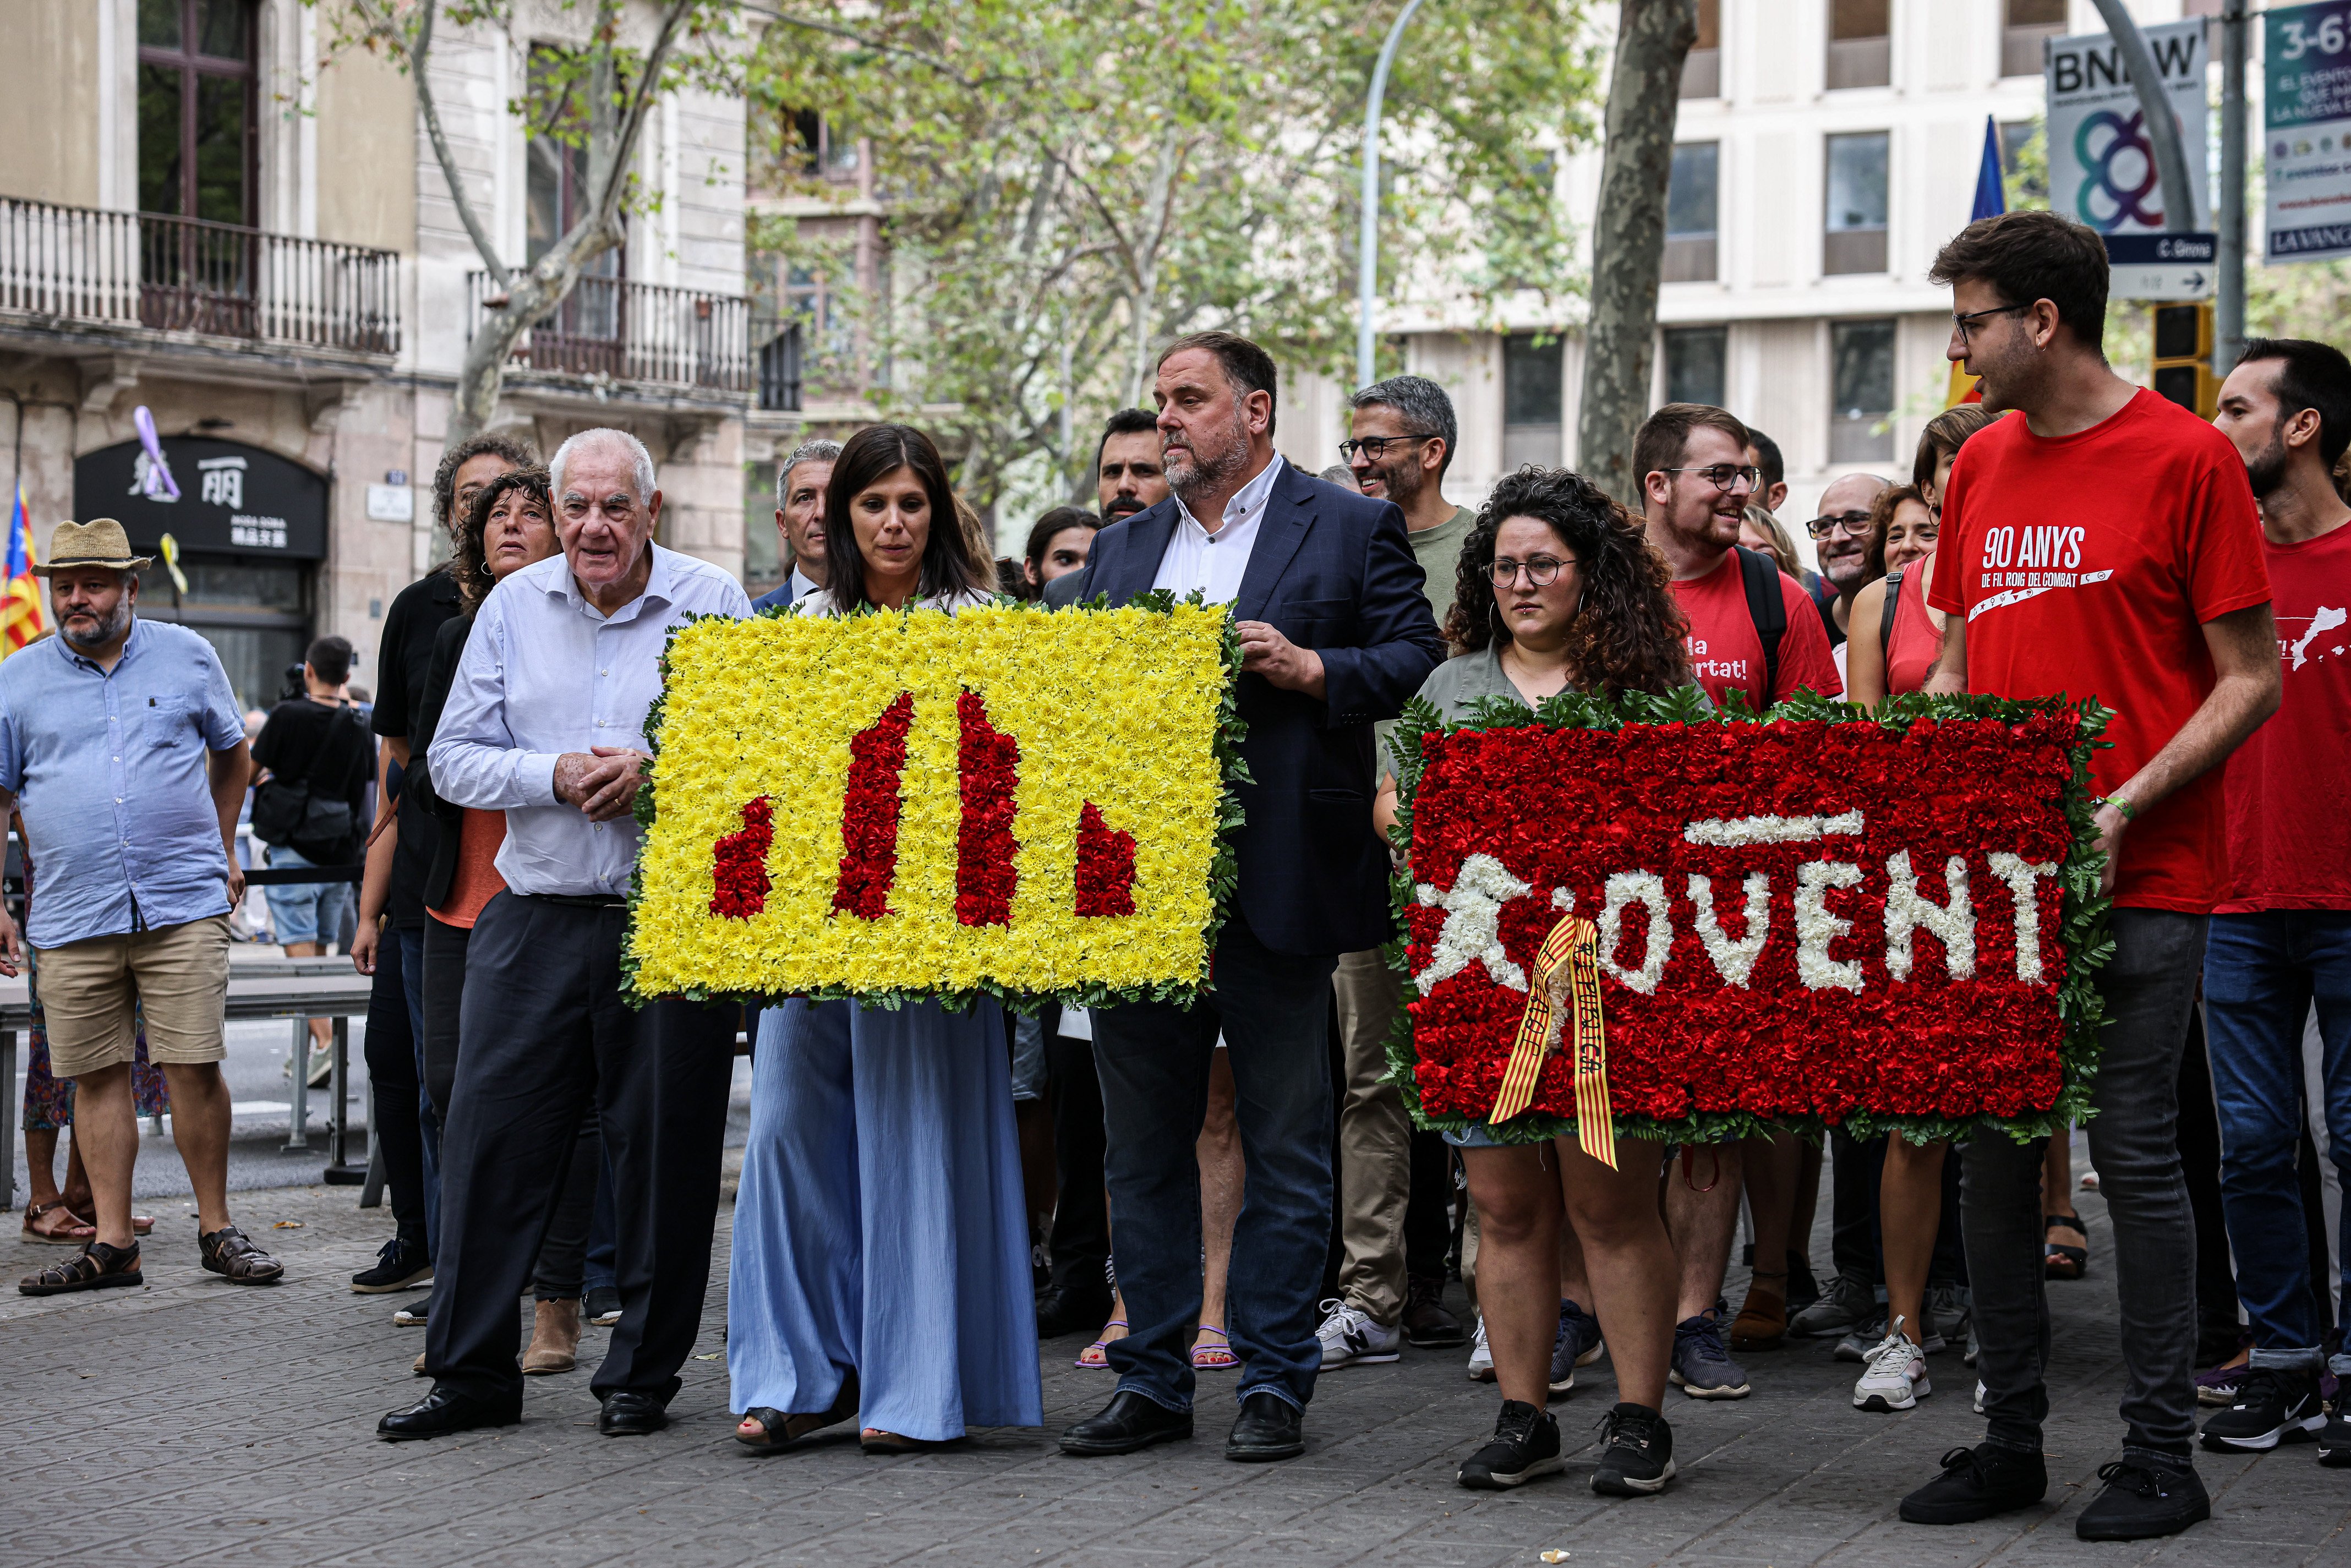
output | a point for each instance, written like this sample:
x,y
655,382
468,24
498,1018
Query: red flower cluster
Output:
x,y
869,815
739,872
988,764
1105,865
1568,808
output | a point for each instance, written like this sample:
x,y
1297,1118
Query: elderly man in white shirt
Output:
x,y
546,721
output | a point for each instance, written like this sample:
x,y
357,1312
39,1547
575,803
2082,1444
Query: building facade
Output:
x,y
200,219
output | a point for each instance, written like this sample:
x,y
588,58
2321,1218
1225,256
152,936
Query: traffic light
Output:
x,y
2183,357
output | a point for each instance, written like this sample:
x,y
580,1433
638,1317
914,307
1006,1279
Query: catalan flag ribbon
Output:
x,y
24,614
1566,981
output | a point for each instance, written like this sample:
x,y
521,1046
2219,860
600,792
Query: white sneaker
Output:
x,y
321,1068
1981,1392
1896,1376
1350,1338
1481,1358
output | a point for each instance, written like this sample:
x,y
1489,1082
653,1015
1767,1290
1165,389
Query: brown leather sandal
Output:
x,y
70,1230
229,1253
97,1267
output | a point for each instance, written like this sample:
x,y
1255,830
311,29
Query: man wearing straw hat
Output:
x,y
122,745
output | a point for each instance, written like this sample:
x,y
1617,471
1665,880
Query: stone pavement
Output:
x,y
214,1424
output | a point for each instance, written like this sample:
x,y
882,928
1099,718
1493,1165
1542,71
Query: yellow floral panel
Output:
x,y
1114,708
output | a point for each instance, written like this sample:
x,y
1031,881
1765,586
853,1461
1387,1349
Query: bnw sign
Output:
x,y
234,499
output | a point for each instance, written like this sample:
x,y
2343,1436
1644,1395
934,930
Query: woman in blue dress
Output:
x,y
880,1257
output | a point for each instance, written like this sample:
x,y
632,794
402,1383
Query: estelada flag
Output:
x,y
23,615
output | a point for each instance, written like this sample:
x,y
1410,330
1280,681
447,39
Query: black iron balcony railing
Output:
x,y
634,332
779,349
184,275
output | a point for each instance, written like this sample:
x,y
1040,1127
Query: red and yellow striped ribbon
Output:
x,y
1569,963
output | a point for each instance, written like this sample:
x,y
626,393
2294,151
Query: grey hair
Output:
x,y
1425,409
641,462
814,450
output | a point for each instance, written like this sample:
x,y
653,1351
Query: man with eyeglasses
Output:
x,y
2104,544
1841,542
1394,1183
1752,632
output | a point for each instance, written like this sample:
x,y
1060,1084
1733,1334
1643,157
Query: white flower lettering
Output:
x,y
1643,887
2020,874
1472,929
1905,911
1736,831
1733,961
1816,927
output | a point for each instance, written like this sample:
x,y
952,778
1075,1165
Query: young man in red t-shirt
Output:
x,y
2102,545
1696,482
2281,936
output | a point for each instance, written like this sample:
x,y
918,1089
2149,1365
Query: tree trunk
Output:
x,y
1628,239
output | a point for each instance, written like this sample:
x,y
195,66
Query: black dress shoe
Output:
x,y
630,1414
1270,1427
1067,1311
1130,1421
444,1411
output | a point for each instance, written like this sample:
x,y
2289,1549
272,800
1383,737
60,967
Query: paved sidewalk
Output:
x,y
214,1424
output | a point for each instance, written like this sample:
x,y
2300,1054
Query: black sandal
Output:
x,y
97,1267
230,1253
779,1430
2058,1261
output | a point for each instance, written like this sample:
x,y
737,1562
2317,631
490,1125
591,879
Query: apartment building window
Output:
x,y
817,149
1855,236
1702,66
197,113
1861,391
1690,214
1533,384
1694,363
2025,27
1861,43
556,197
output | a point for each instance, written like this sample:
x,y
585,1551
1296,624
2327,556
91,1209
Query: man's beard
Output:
x,y
1402,481
1203,472
2009,381
108,630
2266,470
1123,506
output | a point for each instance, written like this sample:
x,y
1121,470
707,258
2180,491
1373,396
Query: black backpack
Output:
x,y
1886,621
314,821
1766,609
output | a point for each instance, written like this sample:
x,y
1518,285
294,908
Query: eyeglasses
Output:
x,y
1964,325
1543,571
1723,476
1375,448
1854,523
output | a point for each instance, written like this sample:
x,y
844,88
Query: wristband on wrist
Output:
x,y
2129,811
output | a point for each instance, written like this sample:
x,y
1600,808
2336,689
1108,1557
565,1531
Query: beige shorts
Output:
x,y
90,992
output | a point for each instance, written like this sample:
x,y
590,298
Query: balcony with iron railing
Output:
x,y
609,329
65,268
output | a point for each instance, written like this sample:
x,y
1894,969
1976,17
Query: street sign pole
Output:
x,y
1367,261
2229,316
2155,107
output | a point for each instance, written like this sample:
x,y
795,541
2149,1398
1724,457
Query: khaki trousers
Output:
x,y
1374,1141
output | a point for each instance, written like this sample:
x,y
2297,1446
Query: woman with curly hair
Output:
x,y
1559,589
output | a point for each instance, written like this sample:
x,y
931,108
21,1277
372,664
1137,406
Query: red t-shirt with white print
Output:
x,y
1725,653
2086,565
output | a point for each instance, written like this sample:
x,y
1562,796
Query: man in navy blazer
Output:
x,y
799,522
1336,635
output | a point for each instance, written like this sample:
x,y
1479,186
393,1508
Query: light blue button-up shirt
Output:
x,y
544,673
108,767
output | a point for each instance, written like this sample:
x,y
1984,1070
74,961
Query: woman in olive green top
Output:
x,y
1558,587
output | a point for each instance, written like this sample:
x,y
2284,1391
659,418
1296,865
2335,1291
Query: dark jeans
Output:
x,y
1153,1060
393,1100
1428,1213
1081,1235
2263,974
547,1037
2149,987
428,1120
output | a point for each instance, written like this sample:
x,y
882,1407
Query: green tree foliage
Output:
x,y
1068,185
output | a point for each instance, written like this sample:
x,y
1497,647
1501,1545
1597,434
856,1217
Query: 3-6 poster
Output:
x,y
2307,124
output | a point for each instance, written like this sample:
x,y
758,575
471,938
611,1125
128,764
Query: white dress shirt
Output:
x,y
1216,563
818,602
544,673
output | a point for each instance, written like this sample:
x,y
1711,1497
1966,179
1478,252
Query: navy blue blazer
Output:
x,y
777,598
1332,570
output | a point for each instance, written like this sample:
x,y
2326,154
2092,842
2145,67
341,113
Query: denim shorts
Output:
x,y
1476,1135
307,911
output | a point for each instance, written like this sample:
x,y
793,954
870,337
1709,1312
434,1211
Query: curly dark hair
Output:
x,y
471,566
445,477
1628,636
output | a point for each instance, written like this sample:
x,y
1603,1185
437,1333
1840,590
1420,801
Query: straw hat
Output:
x,y
99,542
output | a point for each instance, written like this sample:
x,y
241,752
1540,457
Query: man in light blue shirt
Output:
x,y
121,746
546,721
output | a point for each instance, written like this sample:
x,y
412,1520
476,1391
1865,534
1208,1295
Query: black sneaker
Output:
x,y
1577,1344
1842,1307
2334,1443
2274,1405
399,1267
1638,1452
1525,1444
2141,1502
602,1306
1978,1483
